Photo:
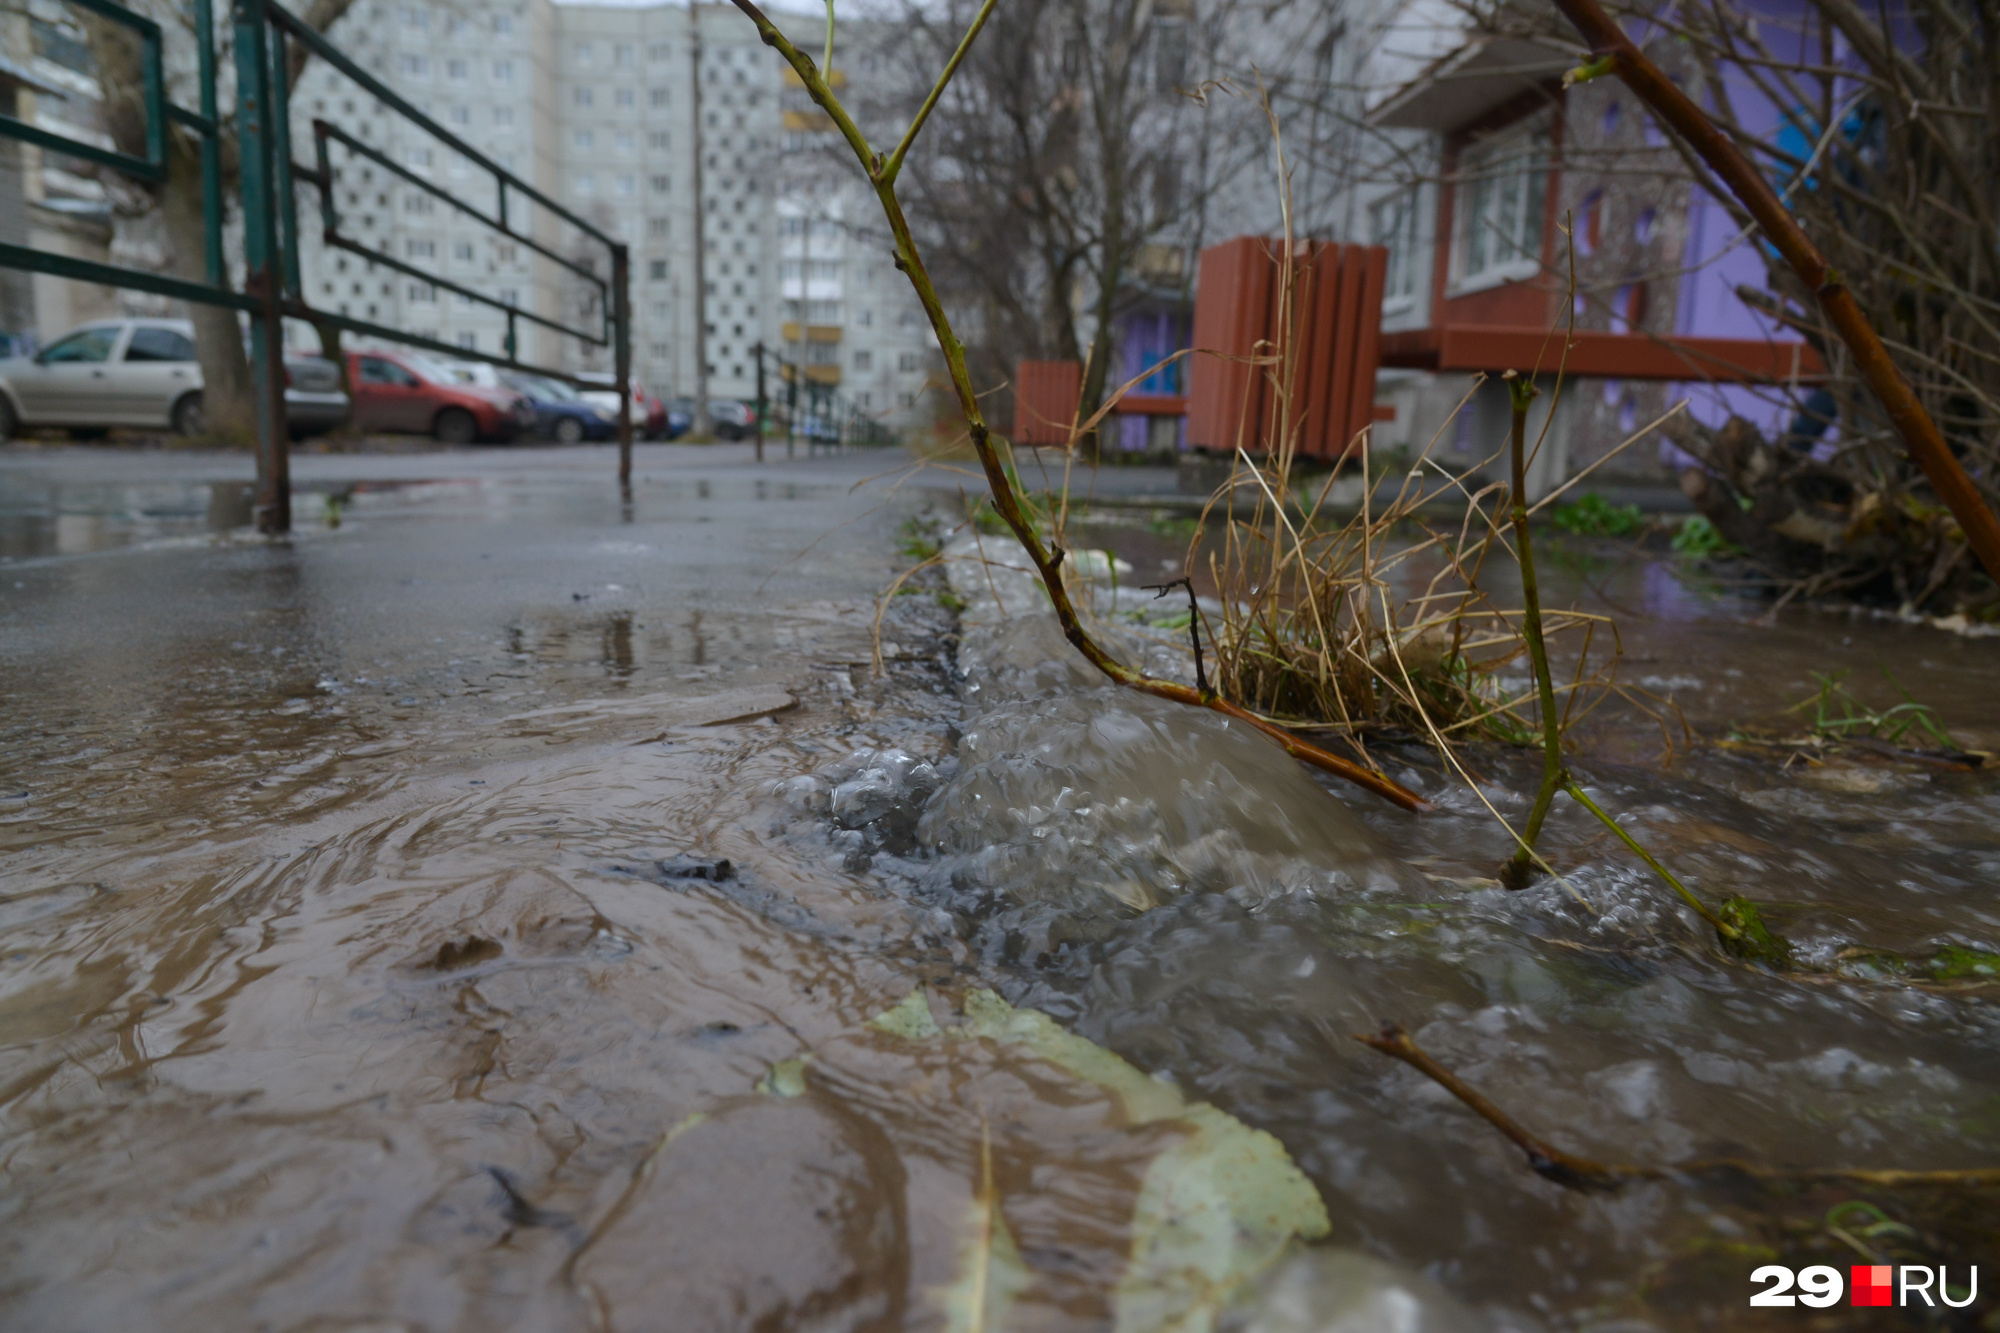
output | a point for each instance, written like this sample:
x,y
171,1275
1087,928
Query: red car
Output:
x,y
405,392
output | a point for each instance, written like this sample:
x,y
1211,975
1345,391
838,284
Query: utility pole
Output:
x,y
702,425
759,427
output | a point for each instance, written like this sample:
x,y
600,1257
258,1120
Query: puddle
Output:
x,y
371,960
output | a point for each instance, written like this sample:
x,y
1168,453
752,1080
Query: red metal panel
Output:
x,y
1152,405
1319,332
1624,355
1334,318
1232,297
1045,394
1367,348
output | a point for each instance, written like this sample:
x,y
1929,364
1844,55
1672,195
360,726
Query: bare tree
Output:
x,y
1071,163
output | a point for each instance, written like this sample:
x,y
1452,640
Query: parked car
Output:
x,y
561,413
732,420
402,391
143,373
649,414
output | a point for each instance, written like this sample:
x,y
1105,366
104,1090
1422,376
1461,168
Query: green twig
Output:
x,y
1707,913
1518,871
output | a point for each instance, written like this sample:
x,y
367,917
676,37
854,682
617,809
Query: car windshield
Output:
x,y
554,391
87,345
437,372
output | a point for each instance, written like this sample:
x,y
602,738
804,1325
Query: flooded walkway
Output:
x,y
516,908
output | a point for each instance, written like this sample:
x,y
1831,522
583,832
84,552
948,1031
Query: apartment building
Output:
x,y
1512,206
664,126
47,200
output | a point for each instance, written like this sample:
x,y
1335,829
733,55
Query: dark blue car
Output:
x,y
561,414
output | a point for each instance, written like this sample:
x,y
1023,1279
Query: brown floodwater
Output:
x,y
367,962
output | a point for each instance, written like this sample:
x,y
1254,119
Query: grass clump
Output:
x,y
1591,515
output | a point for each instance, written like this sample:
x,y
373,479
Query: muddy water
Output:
x,y
368,964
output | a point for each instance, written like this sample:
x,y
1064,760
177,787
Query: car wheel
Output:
x,y
10,420
455,426
569,431
89,432
188,418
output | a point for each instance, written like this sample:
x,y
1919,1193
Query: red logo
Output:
x,y
1870,1284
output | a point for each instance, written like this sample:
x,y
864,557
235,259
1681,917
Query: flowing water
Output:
x,y
370,963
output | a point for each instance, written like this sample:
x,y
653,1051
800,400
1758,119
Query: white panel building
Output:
x,y
600,108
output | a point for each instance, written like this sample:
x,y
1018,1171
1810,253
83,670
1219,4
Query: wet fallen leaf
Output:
x,y
1214,1210
990,1271
787,1078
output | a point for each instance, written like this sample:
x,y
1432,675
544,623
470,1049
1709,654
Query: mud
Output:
x,y
370,963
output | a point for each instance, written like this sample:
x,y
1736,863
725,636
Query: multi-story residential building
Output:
x,y
850,318
48,201
664,126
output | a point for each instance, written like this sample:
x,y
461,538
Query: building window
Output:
x,y
457,69
586,184
623,97
469,340
657,52
627,184
1502,184
907,362
659,185
420,249
503,116
622,142
503,24
657,270
1170,54
658,140
656,226
1392,222
423,293
462,251
417,67
864,361
657,97
583,96
503,71
584,139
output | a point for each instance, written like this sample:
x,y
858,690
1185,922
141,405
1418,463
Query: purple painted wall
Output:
x,y
1717,257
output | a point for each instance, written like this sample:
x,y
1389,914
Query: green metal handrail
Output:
x,y
273,286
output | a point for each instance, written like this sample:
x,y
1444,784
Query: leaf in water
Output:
x,y
786,1079
1214,1210
910,1020
990,1271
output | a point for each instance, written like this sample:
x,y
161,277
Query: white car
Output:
x,y
143,373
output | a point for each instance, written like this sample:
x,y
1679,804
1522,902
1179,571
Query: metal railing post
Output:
x,y
759,349
262,278
621,353
211,151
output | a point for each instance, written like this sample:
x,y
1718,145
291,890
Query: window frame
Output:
x,y
1521,156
